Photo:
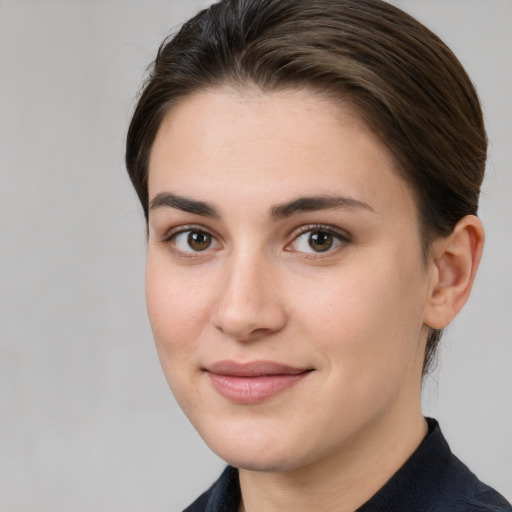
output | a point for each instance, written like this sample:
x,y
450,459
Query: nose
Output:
x,y
250,304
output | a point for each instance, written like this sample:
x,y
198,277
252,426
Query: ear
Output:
x,y
453,265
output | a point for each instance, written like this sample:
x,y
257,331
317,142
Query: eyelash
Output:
x,y
341,237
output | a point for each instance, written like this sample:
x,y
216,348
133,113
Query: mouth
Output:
x,y
254,382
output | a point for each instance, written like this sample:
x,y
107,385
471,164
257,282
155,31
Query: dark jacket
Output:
x,y
431,480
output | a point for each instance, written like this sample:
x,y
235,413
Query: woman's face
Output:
x,y
285,282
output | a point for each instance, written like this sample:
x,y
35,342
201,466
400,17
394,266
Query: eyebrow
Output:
x,y
168,200
278,212
315,203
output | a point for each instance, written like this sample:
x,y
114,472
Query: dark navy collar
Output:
x,y
431,480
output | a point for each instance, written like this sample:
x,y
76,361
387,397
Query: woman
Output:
x,y
310,173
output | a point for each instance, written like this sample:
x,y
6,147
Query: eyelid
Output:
x,y
341,233
182,228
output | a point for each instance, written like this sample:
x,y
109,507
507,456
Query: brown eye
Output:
x,y
320,241
193,240
198,240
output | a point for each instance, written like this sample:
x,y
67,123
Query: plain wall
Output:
x,y
87,421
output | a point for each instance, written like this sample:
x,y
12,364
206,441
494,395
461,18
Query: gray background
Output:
x,y
87,421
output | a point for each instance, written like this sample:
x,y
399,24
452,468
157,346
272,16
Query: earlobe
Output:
x,y
454,262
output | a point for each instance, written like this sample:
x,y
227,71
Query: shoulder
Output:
x,y
457,487
435,480
461,490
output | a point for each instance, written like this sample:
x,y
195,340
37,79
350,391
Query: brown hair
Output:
x,y
401,78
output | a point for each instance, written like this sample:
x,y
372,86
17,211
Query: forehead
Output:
x,y
226,145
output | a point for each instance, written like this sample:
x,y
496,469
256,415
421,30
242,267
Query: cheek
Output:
x,y
365,318
177,310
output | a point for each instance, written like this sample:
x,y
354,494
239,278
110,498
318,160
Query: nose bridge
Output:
x,y
249,303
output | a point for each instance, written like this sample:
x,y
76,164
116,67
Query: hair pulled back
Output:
x,y
401,78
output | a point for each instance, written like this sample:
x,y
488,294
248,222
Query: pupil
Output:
x,y
199,241
320,241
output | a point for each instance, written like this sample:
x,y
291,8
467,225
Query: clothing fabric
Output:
x,y
431,480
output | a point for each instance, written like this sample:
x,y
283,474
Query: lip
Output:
x,y
255,381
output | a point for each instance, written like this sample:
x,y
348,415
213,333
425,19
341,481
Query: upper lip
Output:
x,y
253,368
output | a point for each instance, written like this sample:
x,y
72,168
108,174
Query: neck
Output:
x,y
343,481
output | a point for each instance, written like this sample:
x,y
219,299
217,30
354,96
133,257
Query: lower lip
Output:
x,y
252,390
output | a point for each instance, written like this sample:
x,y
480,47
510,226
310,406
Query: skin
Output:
x,y
356,315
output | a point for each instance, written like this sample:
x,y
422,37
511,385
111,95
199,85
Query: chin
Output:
x,y
267,462
258,452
